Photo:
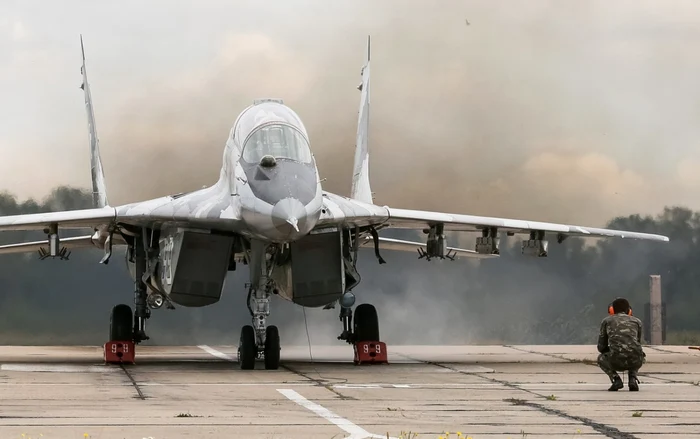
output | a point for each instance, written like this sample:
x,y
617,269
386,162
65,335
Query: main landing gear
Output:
x,y
362,332
366,323
120,324
121,347
126,329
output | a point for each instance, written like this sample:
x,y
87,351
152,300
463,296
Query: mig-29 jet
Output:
x,y
268,211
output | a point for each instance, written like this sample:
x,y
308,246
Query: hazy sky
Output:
x,y
549,110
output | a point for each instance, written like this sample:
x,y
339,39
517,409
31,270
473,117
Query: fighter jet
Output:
x,y
267,211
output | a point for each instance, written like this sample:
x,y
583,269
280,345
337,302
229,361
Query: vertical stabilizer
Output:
x,y
361,190
99,190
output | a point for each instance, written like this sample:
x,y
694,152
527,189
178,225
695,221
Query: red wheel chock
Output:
x,y
370,352
119,352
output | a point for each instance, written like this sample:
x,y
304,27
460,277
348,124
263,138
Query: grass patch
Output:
x,y
187,415
515,401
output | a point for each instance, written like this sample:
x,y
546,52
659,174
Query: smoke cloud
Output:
x,y
571,113
547,111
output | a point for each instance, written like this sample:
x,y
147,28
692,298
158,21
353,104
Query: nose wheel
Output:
x,y
247,349
249,352
272,348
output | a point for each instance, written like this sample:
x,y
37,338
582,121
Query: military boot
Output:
x,y
616,384
633,383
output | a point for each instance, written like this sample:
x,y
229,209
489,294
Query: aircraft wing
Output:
x,y
418,219
410,246
70,219
194,210
346,211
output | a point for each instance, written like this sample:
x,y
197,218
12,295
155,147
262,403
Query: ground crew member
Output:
x,y
620,345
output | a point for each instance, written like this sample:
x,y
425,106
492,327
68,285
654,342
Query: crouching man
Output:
x,y
620,345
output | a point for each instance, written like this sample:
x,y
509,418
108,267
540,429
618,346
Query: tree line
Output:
x,y
513,299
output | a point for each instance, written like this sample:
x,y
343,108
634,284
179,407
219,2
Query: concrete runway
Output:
x,y
481,391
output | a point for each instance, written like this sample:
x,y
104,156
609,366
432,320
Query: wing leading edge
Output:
x,y
418,219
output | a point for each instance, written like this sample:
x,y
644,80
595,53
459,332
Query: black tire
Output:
x,y
366,323
272,348
247,349
121,322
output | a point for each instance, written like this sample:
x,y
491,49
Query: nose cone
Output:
x,y
290,218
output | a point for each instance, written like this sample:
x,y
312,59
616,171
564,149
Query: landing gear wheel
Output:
x,y
121,324
247,349
272,348
366,323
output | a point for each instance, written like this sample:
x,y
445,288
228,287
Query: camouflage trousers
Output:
x,y
612,363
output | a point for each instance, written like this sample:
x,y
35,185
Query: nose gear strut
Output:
x,y
259,340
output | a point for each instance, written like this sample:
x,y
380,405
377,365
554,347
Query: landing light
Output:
x,y
347,300
155,300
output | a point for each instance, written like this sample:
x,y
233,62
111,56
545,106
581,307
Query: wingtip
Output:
x,y
82,48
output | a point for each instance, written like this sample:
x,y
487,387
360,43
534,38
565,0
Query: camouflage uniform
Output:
x,y
620,345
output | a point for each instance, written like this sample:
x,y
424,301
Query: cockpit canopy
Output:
x,y
268,127
279,140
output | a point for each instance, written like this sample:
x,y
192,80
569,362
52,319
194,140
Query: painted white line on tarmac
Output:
x,y
436,386
475,386
356,432
67,368
217,354
358,386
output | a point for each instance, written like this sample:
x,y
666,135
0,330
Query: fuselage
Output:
x,y
272,173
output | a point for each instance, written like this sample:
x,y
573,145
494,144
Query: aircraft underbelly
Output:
x,y
311,272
